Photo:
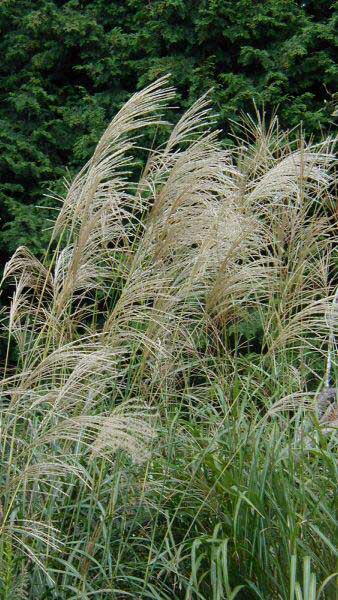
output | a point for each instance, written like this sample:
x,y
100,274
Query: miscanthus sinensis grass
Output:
x,y
149,446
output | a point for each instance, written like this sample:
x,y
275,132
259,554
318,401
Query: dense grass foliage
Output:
x,y
168,427
67,66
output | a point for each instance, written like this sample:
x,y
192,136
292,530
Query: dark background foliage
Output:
x,y
67,66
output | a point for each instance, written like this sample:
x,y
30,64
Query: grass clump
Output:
x,y
162,430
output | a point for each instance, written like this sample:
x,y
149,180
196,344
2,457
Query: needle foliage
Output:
x,y
68,65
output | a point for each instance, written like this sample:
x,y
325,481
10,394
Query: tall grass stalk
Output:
x,y
159,436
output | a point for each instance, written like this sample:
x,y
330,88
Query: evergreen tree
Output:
x,y
67,66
